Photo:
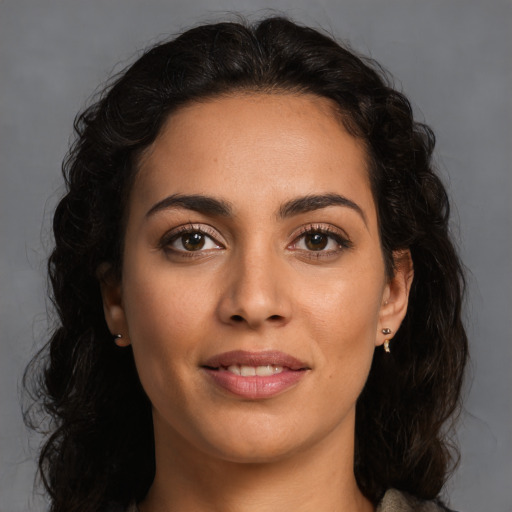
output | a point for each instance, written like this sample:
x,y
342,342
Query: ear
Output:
x,y
396,295
111,295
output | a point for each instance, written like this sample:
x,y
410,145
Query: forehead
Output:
x,y
267,143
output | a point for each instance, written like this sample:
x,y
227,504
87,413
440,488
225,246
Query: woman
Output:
x,y
259,302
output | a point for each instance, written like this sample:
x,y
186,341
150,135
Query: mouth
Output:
x,y
243,362
255,375
252,371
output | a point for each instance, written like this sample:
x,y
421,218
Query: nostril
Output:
x,y
238,319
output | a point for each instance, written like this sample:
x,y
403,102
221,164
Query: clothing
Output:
x,y
393,501
396,501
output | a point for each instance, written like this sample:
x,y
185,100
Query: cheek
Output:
x,y
159,301
345,308
163,319
343,320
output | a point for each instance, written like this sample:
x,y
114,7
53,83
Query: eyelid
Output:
x,y
328,229
336,233
190,227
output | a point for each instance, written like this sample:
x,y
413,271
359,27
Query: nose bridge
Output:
x,y
254,292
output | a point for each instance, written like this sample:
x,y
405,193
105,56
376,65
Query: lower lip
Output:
x,y
256,387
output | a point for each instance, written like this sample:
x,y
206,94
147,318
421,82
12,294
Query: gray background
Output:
x,y
451,57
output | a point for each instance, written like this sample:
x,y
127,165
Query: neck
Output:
x,y
318,477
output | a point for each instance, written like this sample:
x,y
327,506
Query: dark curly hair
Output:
x,y
100,448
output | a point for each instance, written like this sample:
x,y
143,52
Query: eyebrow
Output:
x,y
196,202
212,206
317,202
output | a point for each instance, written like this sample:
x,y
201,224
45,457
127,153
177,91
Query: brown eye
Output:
x,y
193,241
320,242
316,241
189,240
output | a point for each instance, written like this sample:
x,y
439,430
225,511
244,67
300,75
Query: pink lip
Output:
x,y
255,387
243,357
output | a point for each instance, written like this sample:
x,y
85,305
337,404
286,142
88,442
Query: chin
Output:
x,y
249,441
254,452
261,442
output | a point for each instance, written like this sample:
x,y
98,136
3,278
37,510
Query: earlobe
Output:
x,y
395,297
111,295
120,341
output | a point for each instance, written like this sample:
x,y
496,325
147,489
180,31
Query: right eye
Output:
x,y
189,239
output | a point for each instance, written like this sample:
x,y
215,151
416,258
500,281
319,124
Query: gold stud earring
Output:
x,y
118,337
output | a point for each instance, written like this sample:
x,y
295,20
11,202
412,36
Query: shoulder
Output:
x,y
397,501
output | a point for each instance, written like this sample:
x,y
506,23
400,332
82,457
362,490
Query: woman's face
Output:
x,y
253,288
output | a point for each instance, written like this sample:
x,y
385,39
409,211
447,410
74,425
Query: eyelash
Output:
x,y
188,229
342,241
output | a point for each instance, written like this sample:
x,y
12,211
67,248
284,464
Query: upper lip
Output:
x,y
245,358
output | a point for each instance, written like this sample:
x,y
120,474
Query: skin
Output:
x,y
254,285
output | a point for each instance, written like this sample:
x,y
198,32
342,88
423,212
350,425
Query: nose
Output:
x,y
256,294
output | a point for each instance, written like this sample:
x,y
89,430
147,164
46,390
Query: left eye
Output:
x,y
192,241
320,241
317,241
